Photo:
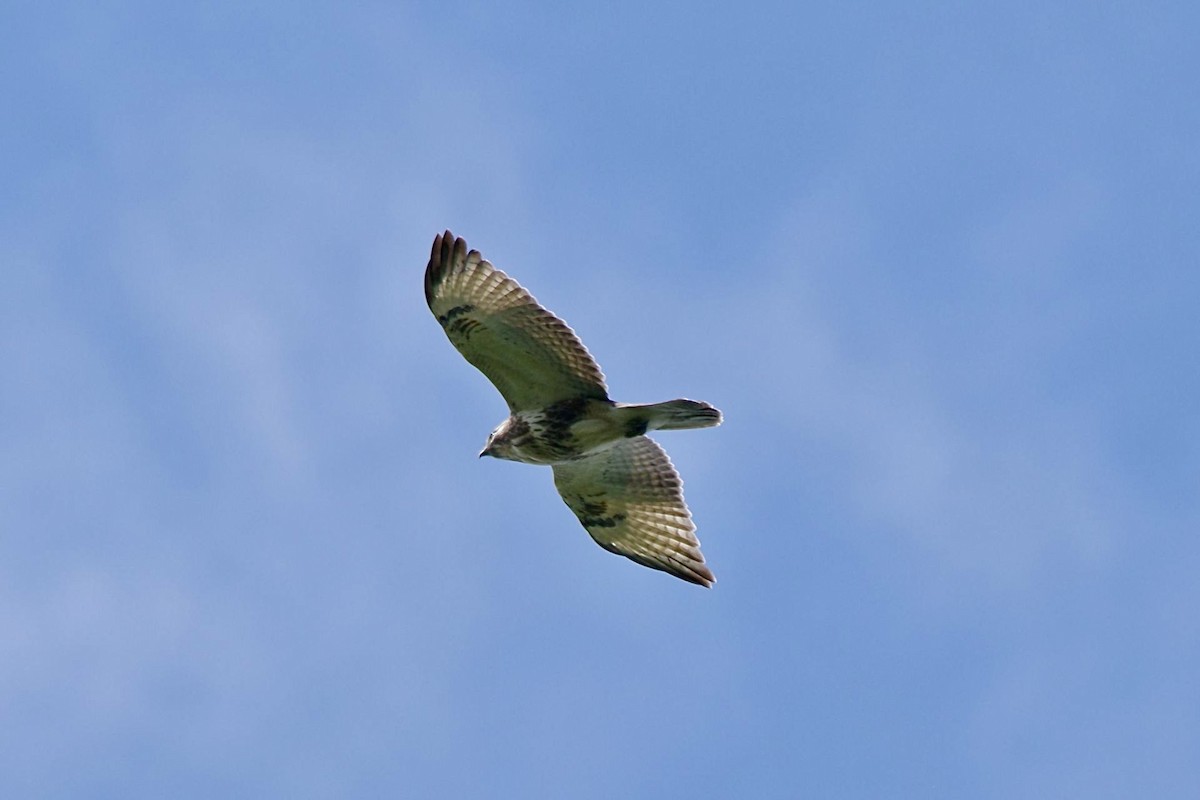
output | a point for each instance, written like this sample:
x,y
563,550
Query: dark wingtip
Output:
x,y
696,572
702,576
693,571
446,250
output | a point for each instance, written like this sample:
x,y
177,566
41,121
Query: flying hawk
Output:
x,y
618,482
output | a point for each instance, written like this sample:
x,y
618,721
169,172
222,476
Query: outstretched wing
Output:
x,y
630,499
529,354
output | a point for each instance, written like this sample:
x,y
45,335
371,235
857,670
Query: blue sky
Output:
x,y
937,263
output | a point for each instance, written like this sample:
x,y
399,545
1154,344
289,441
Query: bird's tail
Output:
x,y
671,415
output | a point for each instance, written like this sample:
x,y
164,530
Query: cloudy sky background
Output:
x,y
938,265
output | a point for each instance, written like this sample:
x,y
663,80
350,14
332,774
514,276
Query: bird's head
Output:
x,y
499,443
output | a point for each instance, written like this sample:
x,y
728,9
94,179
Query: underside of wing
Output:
x,y
529,354
630,499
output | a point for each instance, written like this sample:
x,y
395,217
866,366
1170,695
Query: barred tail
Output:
x,y
671,415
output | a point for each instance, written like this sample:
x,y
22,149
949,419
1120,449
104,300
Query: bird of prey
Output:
x,y
618,482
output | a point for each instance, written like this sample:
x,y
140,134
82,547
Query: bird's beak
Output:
x,y
487,451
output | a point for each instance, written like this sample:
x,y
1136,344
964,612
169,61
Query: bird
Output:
x,y
618,482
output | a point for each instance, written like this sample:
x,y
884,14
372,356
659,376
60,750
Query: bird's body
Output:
x,y
618,482
570,429
560,432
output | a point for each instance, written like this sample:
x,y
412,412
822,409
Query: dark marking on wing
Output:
x,y
594,513
602,522
462,328
593,508
635,427
465,308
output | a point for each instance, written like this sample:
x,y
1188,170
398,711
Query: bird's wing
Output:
x,y
529,354
630,499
